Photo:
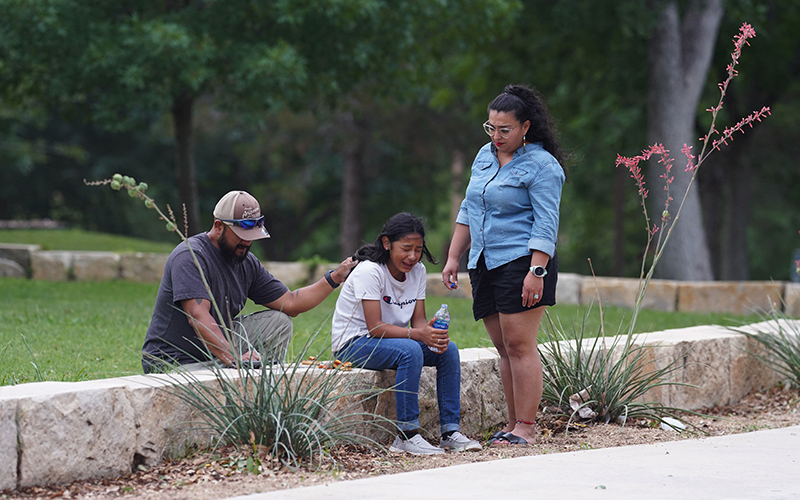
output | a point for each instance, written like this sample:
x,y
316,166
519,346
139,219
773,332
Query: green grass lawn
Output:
x,y
67,331
78,239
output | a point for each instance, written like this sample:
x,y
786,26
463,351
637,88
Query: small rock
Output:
x,y
671,424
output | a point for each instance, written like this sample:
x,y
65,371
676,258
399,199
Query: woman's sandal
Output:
x,y
497,436
513,439
508,439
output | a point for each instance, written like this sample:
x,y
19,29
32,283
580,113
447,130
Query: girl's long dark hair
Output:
x,y
396,228
528,104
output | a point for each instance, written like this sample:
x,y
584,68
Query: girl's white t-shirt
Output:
x,y
373,281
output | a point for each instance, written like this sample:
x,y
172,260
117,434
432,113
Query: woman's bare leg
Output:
x,y
492,324
519,333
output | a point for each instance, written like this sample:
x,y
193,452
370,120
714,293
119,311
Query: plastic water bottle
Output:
x,y
441,321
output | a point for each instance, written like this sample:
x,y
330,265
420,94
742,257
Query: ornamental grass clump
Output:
x,y
606,382
603,379
779,338
291,412
287,412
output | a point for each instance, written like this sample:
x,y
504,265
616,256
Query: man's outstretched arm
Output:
x,y
304,299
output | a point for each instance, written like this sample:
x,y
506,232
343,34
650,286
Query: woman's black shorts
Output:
x,y
500,290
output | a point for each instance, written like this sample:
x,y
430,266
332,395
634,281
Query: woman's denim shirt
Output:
x,y
512,210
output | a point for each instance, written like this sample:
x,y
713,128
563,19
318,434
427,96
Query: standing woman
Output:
x,y
509,222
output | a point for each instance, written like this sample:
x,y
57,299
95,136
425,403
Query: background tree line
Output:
x,y
336,114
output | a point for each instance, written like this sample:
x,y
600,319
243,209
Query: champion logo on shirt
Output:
x,y
392,302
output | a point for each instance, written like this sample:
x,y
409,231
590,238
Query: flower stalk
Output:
x,y
712,141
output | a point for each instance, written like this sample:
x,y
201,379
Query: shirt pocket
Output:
x,y
516,177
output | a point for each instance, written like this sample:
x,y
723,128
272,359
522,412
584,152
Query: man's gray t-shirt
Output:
x,y
170,337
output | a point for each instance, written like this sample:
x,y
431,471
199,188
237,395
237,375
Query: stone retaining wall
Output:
x,y
664,295
57,432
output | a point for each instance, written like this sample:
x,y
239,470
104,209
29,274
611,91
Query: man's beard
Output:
x,y
229,252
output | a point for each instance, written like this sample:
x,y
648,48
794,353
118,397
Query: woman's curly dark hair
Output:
x,y
528,104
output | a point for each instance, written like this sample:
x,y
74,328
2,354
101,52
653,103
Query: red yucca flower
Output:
x,y
710,143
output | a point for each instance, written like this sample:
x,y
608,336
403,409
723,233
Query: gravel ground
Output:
x,y
223,473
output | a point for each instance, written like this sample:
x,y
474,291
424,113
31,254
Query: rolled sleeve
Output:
x,y
463,214
542,245
545,194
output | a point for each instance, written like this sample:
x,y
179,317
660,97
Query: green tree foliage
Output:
x,y
126,60
415,78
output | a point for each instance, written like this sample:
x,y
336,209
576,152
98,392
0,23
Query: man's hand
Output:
x,y
250,359
251,356
343,271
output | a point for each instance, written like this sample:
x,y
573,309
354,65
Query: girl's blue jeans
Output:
x,y
408,356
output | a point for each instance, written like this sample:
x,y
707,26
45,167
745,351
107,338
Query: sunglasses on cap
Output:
x,y
246,223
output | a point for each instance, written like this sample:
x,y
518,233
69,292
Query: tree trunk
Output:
x,y
352,187
679,54
710,187
734,258
620,187
184,162
727,195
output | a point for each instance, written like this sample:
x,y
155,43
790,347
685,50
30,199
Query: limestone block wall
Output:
x,y
734,297
96,266
568,289
716,364
142,267
57,432
435,287
791,299
51,265
663,295
21,254
730,296
292,274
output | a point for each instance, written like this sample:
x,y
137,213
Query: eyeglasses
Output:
x,y
504,131
246,223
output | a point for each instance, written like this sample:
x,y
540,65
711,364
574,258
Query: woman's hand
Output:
x,y
458,245
433,337
450,274
532,289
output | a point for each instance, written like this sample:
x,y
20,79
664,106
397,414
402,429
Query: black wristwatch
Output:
x,y
538,271
330,281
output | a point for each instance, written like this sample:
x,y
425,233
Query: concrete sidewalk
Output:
x,y
757,465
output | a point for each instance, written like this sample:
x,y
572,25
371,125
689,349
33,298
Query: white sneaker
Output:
x,y
459,442
415,445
